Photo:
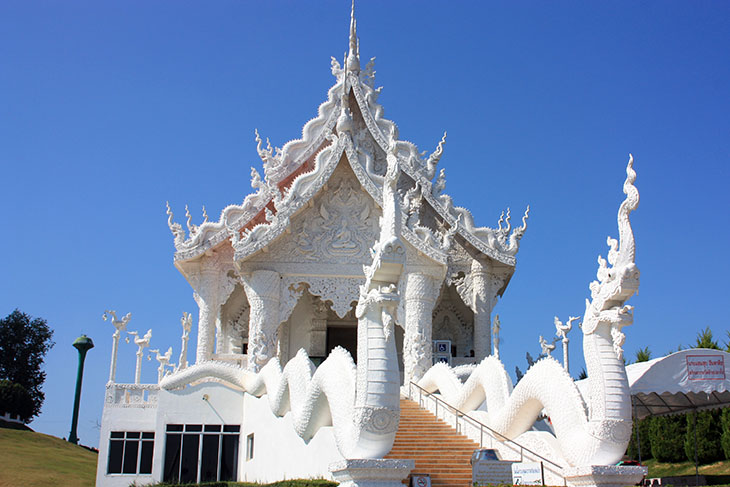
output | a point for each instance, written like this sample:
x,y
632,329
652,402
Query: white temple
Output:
x,y
341,279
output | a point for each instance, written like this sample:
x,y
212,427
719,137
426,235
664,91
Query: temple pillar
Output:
x,y
212,288
206,296
419,300
318,330
262,289
483,298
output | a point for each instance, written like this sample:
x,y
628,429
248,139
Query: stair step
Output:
x,y
436,447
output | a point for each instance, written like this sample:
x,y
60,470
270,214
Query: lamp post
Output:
x,y
83,344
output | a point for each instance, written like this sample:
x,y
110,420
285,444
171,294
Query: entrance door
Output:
x,y
343,336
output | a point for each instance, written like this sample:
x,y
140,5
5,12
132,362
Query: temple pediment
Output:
x,y
349,125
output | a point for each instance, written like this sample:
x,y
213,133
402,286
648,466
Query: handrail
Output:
x,y
475,422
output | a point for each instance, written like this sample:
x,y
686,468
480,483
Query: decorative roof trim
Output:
x,y
273,199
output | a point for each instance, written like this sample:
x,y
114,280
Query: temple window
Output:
x,y
130,452
215,445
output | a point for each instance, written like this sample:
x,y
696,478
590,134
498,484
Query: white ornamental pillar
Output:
x,y
419,301
262,289
187,324
212,289
119,327
482,301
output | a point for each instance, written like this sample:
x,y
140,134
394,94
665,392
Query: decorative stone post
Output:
x,y
83,344
318,330
141,343
187,323
495,335
120,326
420,298
482,304
562,332
262,289
164,360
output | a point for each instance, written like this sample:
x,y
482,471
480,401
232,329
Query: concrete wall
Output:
x,y
115,418
279,453
223,406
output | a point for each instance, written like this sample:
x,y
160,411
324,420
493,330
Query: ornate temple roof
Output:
x,y
349,125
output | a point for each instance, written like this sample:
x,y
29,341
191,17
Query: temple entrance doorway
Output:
x,y
343,335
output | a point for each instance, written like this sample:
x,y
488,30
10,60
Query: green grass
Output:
x,y
31,459
283,483
717,473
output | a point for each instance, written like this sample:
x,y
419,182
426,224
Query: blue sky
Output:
x,y
109,109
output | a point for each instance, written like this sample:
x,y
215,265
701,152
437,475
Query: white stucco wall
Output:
x,y
279,453
223,406
123,419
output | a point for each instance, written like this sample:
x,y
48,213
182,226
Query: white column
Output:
x,y
482,301
115,350
187,323
420,298
212,288
262,290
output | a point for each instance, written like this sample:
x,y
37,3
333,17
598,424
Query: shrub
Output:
x,y
725,438
708,436
633,451
666,435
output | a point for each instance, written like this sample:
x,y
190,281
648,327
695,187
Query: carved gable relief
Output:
x,y
339,226
234,322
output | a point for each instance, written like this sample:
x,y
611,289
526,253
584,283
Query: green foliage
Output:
x,y
706,340
708,436
24,342
643,355
644,442
583,374
16,400
666,434
725,436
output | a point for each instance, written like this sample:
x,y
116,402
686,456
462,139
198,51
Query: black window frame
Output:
x,y
201,439
130,453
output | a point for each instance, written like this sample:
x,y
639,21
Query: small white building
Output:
x,y
282,273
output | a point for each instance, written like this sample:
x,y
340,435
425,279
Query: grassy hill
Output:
x,y
37,460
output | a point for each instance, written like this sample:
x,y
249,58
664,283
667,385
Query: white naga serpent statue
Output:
x,y
592,430
360,402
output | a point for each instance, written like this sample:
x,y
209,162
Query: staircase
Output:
x,y
435,446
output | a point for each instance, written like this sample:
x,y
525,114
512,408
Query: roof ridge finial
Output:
x,y
353,57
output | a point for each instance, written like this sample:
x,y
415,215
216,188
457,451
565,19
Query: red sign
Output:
x,y
705,367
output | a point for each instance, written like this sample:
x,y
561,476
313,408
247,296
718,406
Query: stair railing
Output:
x,y
460,418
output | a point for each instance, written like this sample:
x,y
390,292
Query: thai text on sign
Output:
x,y
704,367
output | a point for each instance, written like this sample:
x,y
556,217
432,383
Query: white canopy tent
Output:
x,y
684,381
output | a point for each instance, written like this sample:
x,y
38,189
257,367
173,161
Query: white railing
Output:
x,y
132,395
479,432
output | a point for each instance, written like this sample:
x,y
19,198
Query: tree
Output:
x,y
24,342
725,438
709,431
667,435
705,340
643,355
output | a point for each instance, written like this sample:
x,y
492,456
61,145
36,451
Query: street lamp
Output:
x,y
83,344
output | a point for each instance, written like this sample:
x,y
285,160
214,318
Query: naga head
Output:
x,y
618,275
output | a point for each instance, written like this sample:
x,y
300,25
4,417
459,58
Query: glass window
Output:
x,y
127,455
203,453
249,447
189,459
171,471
